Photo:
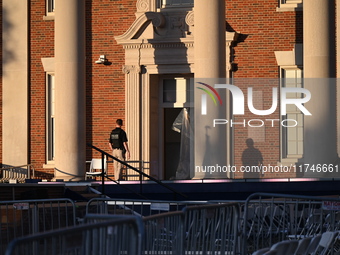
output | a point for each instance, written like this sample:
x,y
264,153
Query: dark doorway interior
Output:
x,y
172,142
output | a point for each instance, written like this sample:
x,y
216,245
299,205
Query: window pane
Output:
x,y
50,5
50,117
292,137
176,2
169,91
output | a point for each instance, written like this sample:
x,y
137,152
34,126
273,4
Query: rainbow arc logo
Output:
x,y
209,90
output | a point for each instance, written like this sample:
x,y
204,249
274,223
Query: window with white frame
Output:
x,y
175,3
175,92
290,5
292,137
50,112
50,6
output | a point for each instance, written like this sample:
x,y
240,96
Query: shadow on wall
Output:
x,y
7,49
252,160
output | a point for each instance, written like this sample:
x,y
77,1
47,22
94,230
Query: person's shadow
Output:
x,y
252,160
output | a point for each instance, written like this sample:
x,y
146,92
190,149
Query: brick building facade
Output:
x,y
149,46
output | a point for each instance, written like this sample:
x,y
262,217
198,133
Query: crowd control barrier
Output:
x,y
272,218
112,236
173,227
25,217
212,229
164,233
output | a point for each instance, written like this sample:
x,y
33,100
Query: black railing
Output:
x,y
103,175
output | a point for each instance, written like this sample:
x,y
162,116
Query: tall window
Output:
x,y
50,110
50,6
292,137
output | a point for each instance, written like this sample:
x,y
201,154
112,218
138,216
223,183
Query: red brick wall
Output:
x,y
105,100
41,46
262,31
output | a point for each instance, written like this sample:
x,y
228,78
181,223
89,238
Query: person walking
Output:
x,y
119,146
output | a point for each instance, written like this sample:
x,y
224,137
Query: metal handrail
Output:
x,y
141,167
134,169
29,167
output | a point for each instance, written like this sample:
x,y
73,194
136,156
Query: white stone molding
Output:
x,y
132,109
155,44
127,69
145,125
189,19
48,64
290,58
139,26
145,6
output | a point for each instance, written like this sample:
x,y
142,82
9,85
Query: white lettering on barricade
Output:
x,y
21,206
160,206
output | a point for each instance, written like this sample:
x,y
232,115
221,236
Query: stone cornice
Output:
x,y
140,24
167,43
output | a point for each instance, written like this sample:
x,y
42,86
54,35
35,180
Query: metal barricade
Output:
x,y
212,229
271,218
135,207
206,228
25,217
112,236
164,234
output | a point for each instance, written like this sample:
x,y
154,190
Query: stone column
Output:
x,y
15,83
320,138
338,68
210,39
319,38
70,89
210,64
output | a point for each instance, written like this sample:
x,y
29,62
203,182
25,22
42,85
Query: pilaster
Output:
x,y
133,109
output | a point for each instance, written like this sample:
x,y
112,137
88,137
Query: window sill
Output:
x,y
49,16
49,165
290,160
289,8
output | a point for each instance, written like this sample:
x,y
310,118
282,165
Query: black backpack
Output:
x,y
115,139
